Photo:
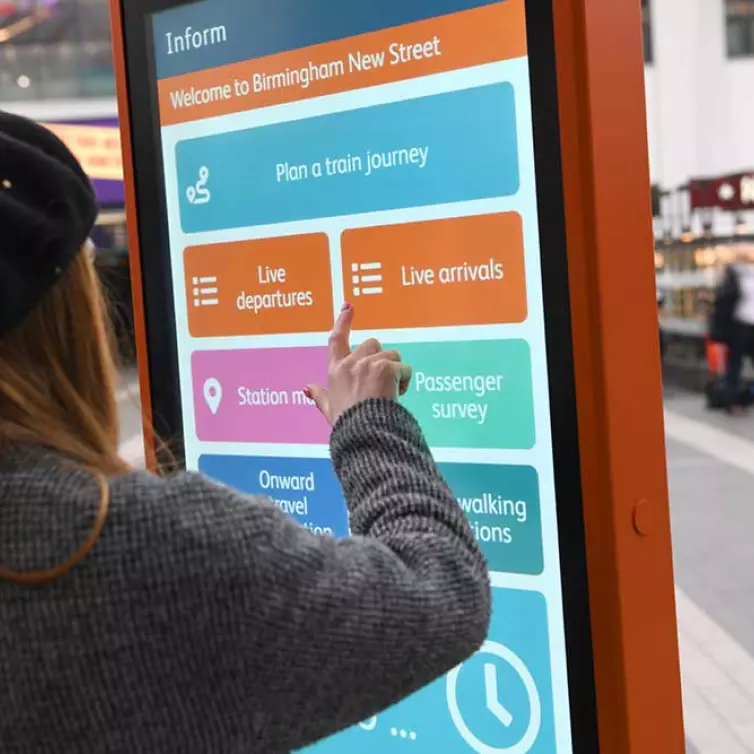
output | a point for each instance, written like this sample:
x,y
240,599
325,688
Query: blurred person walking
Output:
x,y
172,614
732,323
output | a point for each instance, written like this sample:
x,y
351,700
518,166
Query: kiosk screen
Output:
x,y
321,151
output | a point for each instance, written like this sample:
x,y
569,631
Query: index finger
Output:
x,y
340,338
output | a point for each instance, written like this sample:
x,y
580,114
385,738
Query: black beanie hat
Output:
x,y
47,210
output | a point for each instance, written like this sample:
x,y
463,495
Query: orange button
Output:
x,y
462,271
265,287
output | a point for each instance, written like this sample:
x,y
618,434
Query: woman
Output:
x,y
152,614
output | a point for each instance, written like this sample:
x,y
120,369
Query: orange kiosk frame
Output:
x,y
606,182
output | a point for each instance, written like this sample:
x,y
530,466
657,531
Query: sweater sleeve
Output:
x,y
304,635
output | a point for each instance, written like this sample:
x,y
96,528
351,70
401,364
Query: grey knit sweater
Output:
x,y
207,621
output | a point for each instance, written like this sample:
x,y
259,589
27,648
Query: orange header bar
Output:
x,y
459,40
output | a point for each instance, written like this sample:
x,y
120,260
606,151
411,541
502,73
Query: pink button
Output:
x,y
256,395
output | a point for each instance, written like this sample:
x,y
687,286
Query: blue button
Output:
x,y
438,149
498,702
305,488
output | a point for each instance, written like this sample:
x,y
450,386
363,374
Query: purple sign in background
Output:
x,y
257,395
109,193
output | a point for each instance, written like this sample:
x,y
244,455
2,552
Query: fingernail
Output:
x,y
308,392
347,307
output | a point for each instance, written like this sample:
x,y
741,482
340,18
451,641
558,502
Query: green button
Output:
x,y
502,505
472,394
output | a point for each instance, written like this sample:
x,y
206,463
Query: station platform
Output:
x,y
711,472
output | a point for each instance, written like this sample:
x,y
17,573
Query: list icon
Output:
x,y
213,394
367,278
205,291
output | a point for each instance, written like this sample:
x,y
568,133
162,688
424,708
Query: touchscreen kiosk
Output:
x,y
287,156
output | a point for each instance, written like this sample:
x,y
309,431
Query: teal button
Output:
x,y
502,505
472,394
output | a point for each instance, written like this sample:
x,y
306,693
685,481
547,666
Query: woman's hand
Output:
x,y
368,372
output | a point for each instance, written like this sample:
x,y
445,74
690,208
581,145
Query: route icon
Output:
x,y
198,193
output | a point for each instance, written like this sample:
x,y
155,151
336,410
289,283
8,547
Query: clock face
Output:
x,y
509,719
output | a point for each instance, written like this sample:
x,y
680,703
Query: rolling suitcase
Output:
x,y
714,388
717,362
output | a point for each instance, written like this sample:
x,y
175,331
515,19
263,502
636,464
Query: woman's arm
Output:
x,y
299,636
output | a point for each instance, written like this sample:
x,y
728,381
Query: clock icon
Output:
x,y
495,703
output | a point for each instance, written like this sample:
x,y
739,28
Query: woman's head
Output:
x,y
57,373
57,367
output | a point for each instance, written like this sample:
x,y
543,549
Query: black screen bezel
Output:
x,y
162,349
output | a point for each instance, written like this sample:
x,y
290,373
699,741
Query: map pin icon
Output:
x,y
213,394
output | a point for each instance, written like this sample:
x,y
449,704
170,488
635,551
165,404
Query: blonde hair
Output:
x,y
58,372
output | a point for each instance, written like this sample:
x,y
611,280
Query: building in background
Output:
x,y
699,80
699,58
